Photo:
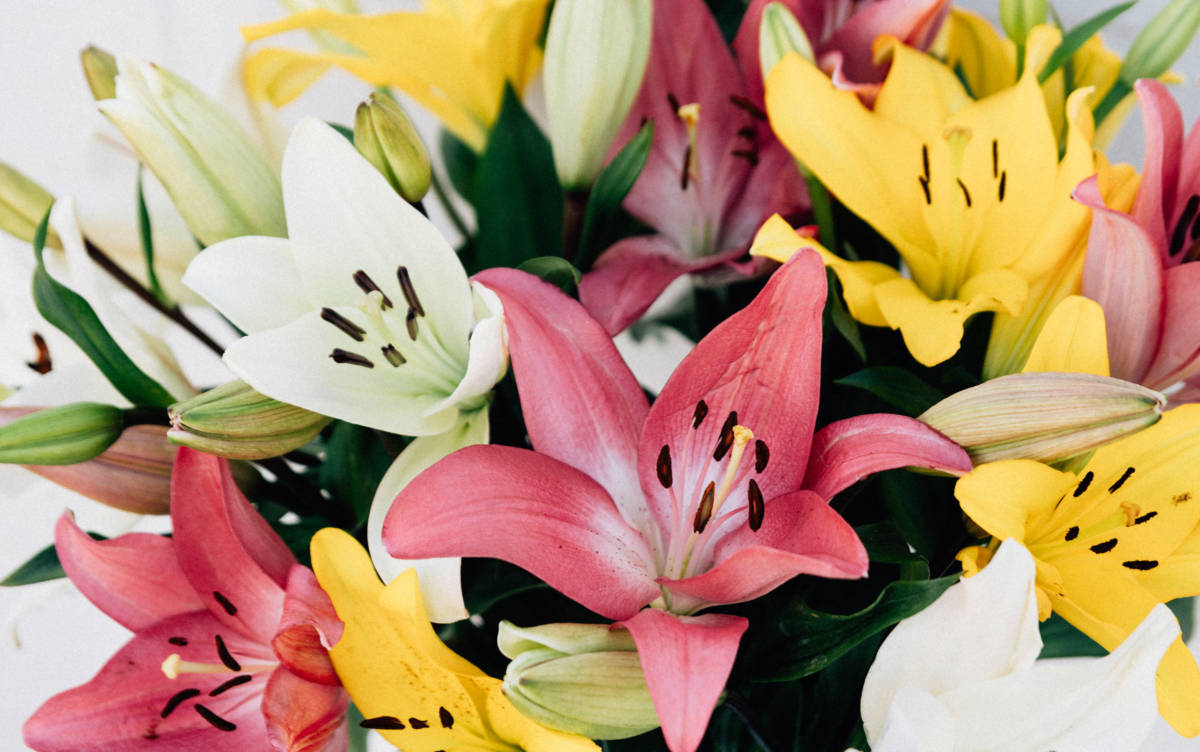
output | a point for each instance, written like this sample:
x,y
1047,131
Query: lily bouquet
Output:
x,y
773,376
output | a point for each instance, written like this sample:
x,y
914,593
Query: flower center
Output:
x,y
175,666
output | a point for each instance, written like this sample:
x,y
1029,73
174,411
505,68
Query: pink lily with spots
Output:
x,y
230,634
715,494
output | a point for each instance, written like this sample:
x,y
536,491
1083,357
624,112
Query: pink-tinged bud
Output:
x,y
236,422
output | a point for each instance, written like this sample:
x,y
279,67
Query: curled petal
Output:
x,y
302,716
307,629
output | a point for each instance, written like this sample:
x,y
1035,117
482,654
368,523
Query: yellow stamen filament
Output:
x,y
957,138
174,666
742,436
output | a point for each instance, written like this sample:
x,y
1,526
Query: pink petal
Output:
x,y
801,534
135,579
1123,273
582,404
1178,355
914,22
686,660
847,451
1189,393
532,511
1162,125
762,363
307,629
228,552
122,708
303,716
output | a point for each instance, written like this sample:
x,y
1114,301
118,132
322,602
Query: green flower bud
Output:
x,y
236,422
100,70
385,136
779,33
1047,417
1162,41
579,678
58,435
1019,16
23,203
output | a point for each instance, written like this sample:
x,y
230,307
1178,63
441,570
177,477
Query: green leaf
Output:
x,y
357,460
74,317
41,567
612,185
810,640
554,269
1075,38
487,582
147,238
896,386
461,164
840,318
518,201
884,543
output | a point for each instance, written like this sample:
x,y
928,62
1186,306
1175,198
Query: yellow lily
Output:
x,y
419,694
454,57
1110,542
971,193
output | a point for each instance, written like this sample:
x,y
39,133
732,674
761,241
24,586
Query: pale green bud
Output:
x,y
385,136
1046,416
1162,41
100,70
779,33
23,203
1019,16
58,435
596,56
219,181
236,422
579,678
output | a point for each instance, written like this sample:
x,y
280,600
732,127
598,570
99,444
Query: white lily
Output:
x,y
961,675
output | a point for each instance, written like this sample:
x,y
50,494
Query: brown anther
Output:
x,y
737,100
351,329
410,292
761,455
756,508
685,174
726,439
342,356
367,285
410,322
704,511
663,466
42,364
699,414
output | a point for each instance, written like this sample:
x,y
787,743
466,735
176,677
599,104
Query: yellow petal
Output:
x,y
1073,340
1178,576
514,728
1002,497
778,240
859,279
279,76
913,72
987,60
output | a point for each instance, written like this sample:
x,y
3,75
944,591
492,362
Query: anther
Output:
x,y
234,682
995,157
383,722
367,285
1141,565
1072,533
1121,481
177,699
747,133
1145,518
1105,547
1083,484
417,723
342,356
756,507
663,466
685,173
1003,180
673,102
725,441
226,657
689,115
392,355
747,154
699,413
410,292
742,103
410,322
966,193
761,455
351,329
925,187
1181,226
446,719
42,365
215,720
180,641
704,511
925,162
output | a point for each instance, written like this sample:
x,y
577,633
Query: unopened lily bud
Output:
x,y
220,183
385,136
779,33
58,435
580,678
1044,416
236,422
1162,41
23,203
100,70
1019,16
596,56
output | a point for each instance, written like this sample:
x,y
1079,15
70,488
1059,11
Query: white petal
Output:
x,y
1076,704
916,722
981,627
252,281
344,217
488,358
441,583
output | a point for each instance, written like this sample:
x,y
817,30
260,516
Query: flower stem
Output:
x,y
737,705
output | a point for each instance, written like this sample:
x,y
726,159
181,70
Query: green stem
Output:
x,y
1119,91
448,205
822,209
738,706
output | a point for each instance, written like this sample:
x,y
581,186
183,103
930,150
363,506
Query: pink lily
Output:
x,y
1137,265
716,494
230,634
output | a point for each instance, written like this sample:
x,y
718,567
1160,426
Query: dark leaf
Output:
x,y
612,185
41,567
357,460
884,543
461,163
554,269
837,315
896,386
1075,38
147,239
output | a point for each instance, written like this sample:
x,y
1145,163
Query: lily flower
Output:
x,y
419,694
716,494
962,675
1138,264
454,57
971,193
1109,542
228,650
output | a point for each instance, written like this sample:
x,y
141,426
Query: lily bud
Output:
x,y
58,435
1162,41
100,70
385,136
220,183
1043,416
779,33
596,56
1019,16
23,203
236,422
580,678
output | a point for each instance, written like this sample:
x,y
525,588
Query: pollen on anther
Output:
x,y
704,511
1105,547
1145,518
965,192
1072,533
756,508
343,356
234,682
226,657
699,414
1121,481
215,720
225,603
1003,181
367,285
725,441
762,455
348,327
663,466
177,699
446,719
410,292
392,355
383,722
1141,565
1083,484
410,322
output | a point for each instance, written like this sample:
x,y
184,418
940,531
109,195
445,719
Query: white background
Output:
x,y
51,638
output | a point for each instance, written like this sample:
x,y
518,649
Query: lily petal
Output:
x,y
1178,356
1162,124
686,660
252,281
307,628
530,510
916,721
135,578
1027,489
302,716
849,450
1073,339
